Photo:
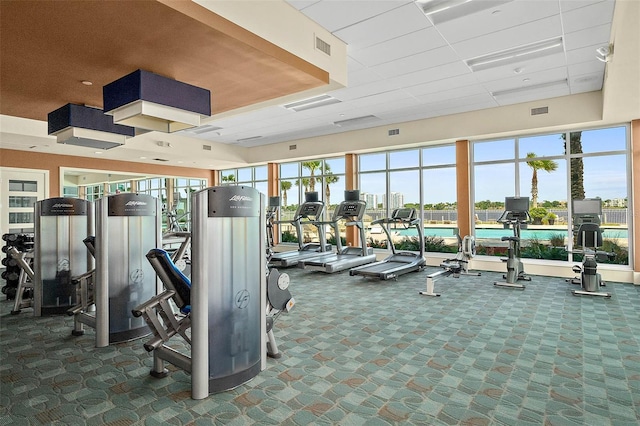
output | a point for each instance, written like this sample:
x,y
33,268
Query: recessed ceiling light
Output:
x,y
315,102
446,10
518,70
87,83
143,158
526,80
525,52
99,152
495,12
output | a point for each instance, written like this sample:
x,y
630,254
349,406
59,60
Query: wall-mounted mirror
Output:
x,y
174,192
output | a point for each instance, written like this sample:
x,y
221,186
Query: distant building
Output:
x,y
396,200
370,199
616,202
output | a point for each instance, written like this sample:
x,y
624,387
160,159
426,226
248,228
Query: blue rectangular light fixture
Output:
x,y
150,101
85,126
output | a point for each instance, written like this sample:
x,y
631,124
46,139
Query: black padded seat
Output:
x,y
589,235
171,277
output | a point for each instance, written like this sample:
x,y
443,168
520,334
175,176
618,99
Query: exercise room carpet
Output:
x,y
360,352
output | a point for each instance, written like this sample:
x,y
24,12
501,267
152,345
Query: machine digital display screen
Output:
x,y
516,204
310,209
404,214
349,208
591,206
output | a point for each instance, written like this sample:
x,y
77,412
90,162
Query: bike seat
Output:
x,y
516,239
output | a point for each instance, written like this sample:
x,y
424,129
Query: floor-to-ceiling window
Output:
x,y
255,177
424,179
551,170
325,176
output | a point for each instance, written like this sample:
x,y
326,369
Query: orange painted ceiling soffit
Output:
x,y
49,48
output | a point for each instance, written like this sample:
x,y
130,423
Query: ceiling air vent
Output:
x,y
293,147
206,147
206,129
323,46
357,120
315,102
159,159
248,139
394,132
538,111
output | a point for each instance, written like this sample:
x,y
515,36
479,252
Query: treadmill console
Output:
x,y
404,215
349,209
311,209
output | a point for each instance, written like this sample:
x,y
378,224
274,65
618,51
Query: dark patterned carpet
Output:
x,y
360,352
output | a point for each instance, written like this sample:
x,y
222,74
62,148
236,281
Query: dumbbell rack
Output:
x,y
23,243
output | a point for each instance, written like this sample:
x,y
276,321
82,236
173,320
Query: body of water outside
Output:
x,y
497,233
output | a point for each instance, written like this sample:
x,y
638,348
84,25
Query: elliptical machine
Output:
x,y
586,216
515,215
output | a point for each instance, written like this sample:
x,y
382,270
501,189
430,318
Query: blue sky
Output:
x,y
605,176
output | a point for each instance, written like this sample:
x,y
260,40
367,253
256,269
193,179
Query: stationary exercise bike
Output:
x,y
586,225
516,215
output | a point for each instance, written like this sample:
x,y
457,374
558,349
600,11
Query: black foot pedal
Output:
x,y
159,374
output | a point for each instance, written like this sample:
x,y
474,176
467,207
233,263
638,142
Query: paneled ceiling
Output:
x,y
403,64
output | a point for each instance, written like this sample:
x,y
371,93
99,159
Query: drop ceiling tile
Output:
x,y
353,65
380,109
387,98
541,77
441,85
495,19
420,61
541,95
334,15
470,105
400,47
363,76
349,93
587,17
403,116
583,54
567,5
512,37
383,27
457,102
441,72
591,67
590,86
590,36
595,78
459,92
525,67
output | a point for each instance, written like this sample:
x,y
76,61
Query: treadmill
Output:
x,y
309,212
398,263
351,212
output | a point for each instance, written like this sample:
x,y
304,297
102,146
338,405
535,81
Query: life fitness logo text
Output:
x,y
62,206
135,206
239,198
